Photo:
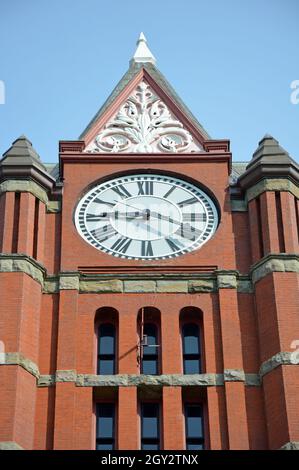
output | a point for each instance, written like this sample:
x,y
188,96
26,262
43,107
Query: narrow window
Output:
x,y
106,349
150,350
191,349
16,217
105,439
194,427
150,426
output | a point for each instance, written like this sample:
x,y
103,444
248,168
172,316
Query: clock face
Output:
x,y
146,216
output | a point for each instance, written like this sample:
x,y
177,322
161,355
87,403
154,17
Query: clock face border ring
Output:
x,y
94,213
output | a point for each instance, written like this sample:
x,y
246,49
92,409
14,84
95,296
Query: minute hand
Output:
x,y
157,215
186,230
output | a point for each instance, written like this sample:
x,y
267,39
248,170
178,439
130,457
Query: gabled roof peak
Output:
x,y
142,53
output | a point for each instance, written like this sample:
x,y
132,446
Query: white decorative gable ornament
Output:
x,y
143,124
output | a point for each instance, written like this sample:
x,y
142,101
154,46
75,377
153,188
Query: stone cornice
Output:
x,y
292,445
274,263
127,380
266,184
18,262
28,186
238,205
272,184
10,445
279,359
145,282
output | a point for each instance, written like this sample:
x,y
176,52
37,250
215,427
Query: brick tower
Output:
x,y
149,287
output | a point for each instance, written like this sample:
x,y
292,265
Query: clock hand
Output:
x,y
187,231
127,215
145,213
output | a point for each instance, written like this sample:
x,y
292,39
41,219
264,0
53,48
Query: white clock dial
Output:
x,y
146,216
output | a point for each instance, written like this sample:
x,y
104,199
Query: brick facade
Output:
x,y
242,287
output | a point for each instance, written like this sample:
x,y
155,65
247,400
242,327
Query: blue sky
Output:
x,y
232,62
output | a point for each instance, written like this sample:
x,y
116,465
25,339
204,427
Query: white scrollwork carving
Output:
x,y
143,124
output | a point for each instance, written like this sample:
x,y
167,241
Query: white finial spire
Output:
x,y
142,53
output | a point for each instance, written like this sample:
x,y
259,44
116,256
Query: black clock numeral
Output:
x,y
169,192
122,244
103,233
100,201
97,217
172,244
187,202
145,188
189,232
121,191
146,248
193,217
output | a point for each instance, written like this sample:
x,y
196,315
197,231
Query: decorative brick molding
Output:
x,y
10,445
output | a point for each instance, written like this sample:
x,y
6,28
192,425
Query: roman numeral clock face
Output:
x,y
146,217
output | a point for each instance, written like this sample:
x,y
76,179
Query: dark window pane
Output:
x,y
150,353
194,446
191,339
105,428
150,331
194,422
105,421
195,427
105,446
106,366
150,446
149,366
192,366
150,426
106,339
150,420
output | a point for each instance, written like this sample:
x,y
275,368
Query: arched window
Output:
x,y
149,363
191,349
106,349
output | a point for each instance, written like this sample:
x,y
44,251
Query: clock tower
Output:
x,y
149,285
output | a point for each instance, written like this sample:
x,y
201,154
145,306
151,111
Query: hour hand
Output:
x,y
125,215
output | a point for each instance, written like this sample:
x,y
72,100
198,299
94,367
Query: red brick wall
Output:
x,y
239,331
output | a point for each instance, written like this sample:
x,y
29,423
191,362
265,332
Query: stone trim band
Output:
x,y
10,445
158,283
127,380
27,186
